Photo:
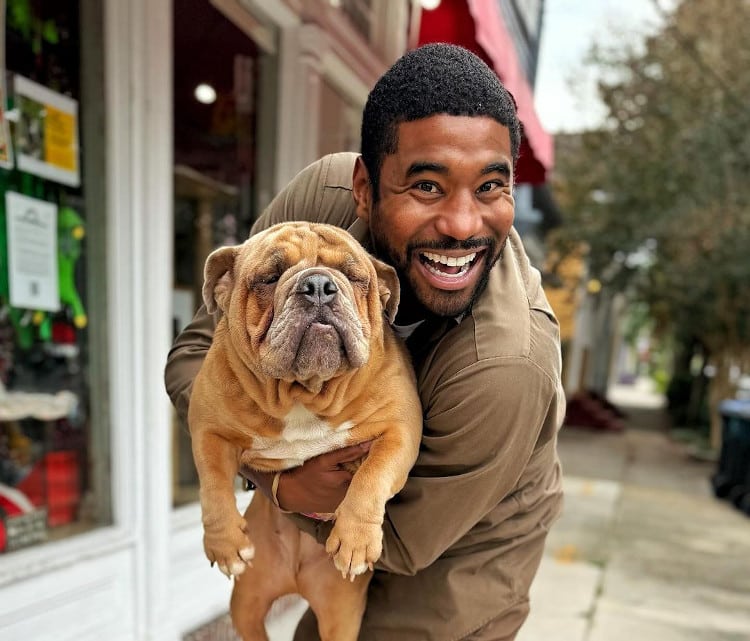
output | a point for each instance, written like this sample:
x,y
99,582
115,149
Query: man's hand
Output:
x,y
317,486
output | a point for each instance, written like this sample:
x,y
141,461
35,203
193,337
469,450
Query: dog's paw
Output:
x,y
230,549
354,546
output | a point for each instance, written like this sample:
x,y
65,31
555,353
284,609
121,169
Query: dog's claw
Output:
x,y
237,568
247,554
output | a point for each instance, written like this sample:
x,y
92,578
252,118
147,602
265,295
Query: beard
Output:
x,y
435,301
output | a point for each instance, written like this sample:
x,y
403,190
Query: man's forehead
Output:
x,y
425,140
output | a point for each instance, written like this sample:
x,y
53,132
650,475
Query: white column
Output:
x,y
140,204
302,48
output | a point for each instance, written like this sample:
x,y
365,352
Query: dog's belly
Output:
x,y
304,435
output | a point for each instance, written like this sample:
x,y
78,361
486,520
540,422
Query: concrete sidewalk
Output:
x,y
643,550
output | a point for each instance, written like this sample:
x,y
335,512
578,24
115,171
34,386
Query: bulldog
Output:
x,y
303,361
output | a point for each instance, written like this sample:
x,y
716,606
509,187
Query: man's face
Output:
x,y
445,208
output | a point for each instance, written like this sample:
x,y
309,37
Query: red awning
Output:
x,y
478,26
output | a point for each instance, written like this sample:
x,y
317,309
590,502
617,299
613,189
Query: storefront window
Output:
x,y
219,73
54,458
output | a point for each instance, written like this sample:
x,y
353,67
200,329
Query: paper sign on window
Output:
x,y
32,253
46,132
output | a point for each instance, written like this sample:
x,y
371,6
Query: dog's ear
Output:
x,y
389,288
218,278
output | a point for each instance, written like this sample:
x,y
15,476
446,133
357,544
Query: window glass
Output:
x,y
54,458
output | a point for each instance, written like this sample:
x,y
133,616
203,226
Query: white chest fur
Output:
x,y
304,436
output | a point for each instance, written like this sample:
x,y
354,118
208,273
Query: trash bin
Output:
x,y
732,478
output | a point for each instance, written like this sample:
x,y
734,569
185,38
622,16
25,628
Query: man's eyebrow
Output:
x,y
423,166
420,167
498,167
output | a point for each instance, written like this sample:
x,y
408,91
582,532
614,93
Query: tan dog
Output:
x,y
302,362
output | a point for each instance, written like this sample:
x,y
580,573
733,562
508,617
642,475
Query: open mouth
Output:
x,y
444,266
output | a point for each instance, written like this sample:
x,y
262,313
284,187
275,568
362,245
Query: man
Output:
x,y
432,194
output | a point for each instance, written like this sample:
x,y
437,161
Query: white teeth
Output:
x,y
437,272
451,261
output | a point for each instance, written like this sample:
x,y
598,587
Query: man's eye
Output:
x,y
490,185
429,188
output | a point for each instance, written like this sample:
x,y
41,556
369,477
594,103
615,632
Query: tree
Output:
x,y
660,195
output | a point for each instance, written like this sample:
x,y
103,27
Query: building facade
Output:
x,y
135,137
118,175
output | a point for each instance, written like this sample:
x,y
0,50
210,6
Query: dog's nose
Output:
x,y
318,288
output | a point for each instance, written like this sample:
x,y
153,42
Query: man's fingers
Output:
x,y
345,454
337,478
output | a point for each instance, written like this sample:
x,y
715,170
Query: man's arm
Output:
x,y
185,359
473,454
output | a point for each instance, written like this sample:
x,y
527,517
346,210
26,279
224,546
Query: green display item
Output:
x,y
21,17
70,232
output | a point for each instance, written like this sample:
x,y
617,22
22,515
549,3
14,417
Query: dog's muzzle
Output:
x,y
317,331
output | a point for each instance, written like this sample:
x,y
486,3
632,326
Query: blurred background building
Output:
x,y
136,137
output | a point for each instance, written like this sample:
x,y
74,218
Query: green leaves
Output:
x,y
671,171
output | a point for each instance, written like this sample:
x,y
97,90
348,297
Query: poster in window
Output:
x,y
46,132
32,253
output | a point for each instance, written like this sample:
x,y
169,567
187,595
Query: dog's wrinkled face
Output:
x,y
302,300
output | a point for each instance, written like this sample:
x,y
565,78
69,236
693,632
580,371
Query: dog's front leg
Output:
x,y
224,538
356,540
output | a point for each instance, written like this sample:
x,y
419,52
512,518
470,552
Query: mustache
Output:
x,y
452,244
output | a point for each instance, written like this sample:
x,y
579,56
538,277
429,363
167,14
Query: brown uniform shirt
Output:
x,y
464,538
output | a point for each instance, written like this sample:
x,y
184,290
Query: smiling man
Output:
x,y
432,194
443,209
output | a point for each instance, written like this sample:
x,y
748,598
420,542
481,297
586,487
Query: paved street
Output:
x,y
643,550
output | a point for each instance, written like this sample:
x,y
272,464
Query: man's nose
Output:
x,y
461,218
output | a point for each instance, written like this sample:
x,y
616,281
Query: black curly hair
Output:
x,y
433,79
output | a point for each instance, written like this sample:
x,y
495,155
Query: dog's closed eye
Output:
x,y
265,279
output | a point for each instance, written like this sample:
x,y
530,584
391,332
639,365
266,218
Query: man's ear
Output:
x,y
389,288
218,278
362,190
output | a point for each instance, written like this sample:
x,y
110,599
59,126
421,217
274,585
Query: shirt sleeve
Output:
x,y
185,359
480,431
319,193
